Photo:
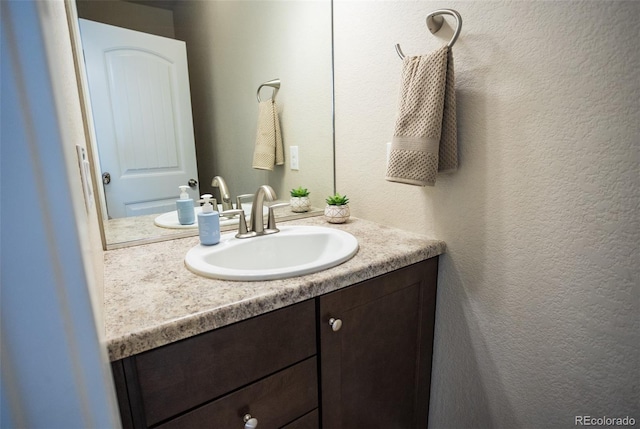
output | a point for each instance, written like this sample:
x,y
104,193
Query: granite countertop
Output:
x,y
151,299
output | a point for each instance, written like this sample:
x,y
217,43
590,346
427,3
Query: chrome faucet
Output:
x,y
225,196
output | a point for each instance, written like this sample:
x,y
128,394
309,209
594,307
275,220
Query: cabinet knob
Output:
x,y
335,324
250,422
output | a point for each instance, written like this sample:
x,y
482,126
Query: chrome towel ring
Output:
x,y
434,23
274,83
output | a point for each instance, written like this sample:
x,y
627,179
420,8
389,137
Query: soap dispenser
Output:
x,y
186,211
209,222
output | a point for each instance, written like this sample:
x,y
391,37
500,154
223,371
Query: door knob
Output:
x,y
335,324
192,183
106,178
250,422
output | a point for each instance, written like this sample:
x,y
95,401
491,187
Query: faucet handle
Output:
x,y
213,202
239,199
242,221
271,220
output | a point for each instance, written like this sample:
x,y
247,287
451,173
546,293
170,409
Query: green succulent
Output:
x,y
337,200
300,192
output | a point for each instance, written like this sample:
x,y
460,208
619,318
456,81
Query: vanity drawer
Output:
x,y
274,401
181,376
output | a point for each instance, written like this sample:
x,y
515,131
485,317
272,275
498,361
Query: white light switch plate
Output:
x,y
85,176
294,158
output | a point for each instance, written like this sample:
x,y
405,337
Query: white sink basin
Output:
x,y
170,219
294,251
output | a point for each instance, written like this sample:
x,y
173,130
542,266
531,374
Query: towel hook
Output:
x,y
434,23
274,83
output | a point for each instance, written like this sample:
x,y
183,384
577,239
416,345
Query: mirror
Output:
x,y
232,48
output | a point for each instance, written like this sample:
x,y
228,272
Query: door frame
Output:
x,y
87,113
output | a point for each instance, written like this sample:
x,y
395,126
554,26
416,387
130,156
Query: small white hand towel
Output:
x,y
425,137
268,150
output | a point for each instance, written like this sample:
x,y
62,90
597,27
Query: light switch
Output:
x,y
85,176
294,158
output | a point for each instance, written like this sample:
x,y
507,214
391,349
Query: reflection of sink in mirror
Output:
x,y
170,219
294,251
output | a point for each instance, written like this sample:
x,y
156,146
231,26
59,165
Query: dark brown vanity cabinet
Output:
x,y
376,342
370,366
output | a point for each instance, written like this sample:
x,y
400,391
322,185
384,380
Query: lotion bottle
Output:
x,y
186,211
209,222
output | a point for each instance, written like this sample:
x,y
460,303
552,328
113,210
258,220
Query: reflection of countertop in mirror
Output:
x,y
132,231
151,299
129,230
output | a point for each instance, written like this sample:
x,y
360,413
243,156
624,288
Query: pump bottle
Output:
x,y
209,222
186,211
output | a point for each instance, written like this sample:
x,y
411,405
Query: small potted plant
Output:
x,y
337,209
300,200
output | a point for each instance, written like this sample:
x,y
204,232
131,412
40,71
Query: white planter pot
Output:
x,y
336,214
300,204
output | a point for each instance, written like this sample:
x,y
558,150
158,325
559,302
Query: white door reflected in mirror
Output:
x,y
141,105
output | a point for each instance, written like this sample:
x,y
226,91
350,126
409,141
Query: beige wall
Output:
x,y
538,305
232,48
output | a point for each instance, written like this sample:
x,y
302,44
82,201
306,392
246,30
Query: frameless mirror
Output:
x,y
232,47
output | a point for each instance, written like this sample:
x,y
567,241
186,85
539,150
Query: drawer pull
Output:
x,y
250,422
335,324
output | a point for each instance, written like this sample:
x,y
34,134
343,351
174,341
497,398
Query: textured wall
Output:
x,y
538,307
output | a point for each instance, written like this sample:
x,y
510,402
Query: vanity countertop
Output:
x,y
151,299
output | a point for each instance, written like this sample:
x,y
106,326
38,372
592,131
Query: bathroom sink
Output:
x,y
170,219
294,251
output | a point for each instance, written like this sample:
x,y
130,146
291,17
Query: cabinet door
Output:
x,y
376,369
